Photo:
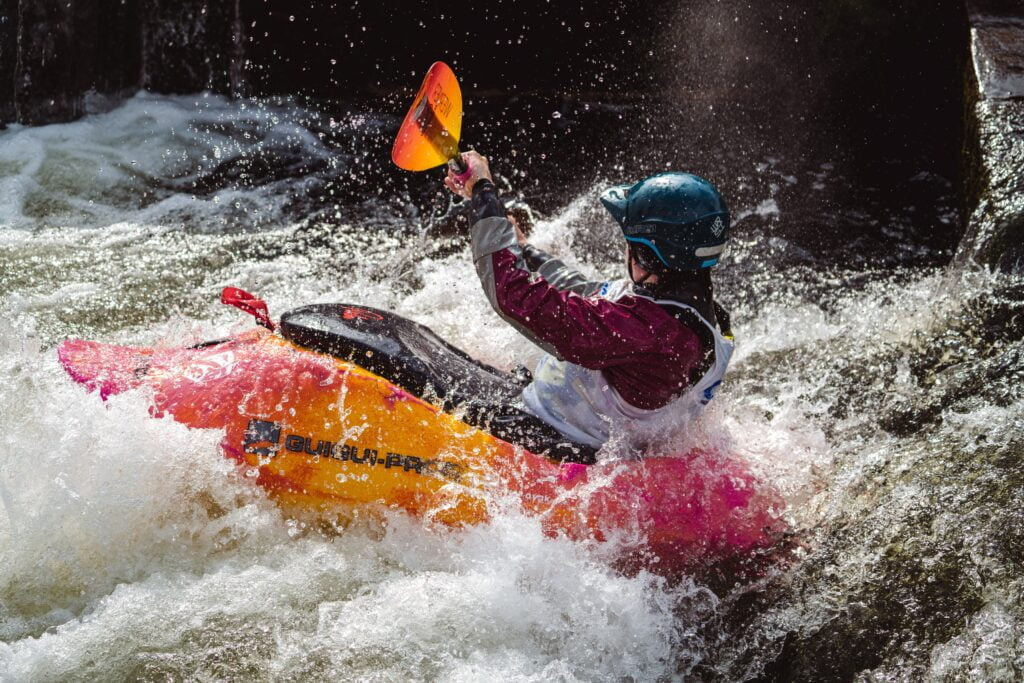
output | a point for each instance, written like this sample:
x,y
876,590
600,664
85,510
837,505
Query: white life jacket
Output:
x,y
582,405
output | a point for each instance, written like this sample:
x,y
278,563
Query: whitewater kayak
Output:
x,y
359,408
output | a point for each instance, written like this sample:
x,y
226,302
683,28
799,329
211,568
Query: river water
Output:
x,y
874,386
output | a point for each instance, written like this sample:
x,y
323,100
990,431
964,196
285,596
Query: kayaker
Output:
x,y
627,357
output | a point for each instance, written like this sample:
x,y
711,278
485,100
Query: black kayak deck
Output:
x,y
411,356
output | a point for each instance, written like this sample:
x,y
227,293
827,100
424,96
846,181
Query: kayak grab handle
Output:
x,y
251,304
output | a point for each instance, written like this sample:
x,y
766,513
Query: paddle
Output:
x,y
429,135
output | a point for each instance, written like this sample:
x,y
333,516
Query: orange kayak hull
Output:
x,y
321,433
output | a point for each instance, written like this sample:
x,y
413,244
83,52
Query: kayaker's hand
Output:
x,y
520,237
478,168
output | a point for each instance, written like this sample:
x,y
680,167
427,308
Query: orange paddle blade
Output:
x,y
429,135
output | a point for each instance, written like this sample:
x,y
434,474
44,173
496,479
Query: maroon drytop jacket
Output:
x,y
647,354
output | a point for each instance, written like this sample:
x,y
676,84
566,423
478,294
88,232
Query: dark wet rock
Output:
x,y
998,50
8,57
192,45
909,555
975,360
43,77
55,55
995,141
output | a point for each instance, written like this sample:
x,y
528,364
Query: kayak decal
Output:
x,y
217,366
709,393
354,313
264,438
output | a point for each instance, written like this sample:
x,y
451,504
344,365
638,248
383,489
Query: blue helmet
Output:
x,y
678,217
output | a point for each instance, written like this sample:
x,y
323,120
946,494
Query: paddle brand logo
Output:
x,y
718,226
264,438
440,101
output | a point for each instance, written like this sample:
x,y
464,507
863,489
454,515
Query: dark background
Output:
x,y
877,73
564,94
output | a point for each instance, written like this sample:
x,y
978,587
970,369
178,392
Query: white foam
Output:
x,y
124,164
129,544
986,649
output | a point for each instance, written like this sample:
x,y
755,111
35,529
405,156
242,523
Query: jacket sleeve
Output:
x,y
592,332
492,235
557,274
487,204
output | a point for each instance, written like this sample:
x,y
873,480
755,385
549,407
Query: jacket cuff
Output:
x,y
485,202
